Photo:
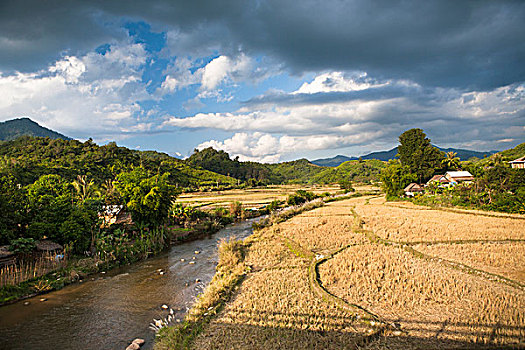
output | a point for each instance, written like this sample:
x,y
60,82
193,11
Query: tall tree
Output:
x,y
417,153
148,198
394,178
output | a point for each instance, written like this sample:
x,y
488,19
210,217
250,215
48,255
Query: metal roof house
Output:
x,y
518,163
441,180
459,176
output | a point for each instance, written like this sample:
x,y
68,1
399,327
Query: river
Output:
x,y
108,311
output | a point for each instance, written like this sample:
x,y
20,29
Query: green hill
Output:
x,y
513,153
11,129
27,158
352,170
297,171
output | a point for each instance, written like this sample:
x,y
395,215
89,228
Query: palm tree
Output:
x,y
85,189
451,161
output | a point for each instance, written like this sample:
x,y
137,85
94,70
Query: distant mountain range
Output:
x,y
463,154
11,129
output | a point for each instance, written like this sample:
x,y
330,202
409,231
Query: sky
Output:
x,y
267,80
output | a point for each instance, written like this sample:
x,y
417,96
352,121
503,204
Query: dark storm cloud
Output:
x,y
465,44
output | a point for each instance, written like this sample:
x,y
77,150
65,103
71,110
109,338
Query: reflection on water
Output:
x,y
109,310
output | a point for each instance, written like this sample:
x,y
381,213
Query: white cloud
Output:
x,y
266,148
88,95
238,69
215,72
453,117
337,82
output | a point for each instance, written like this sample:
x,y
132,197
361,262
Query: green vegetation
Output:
x,y
495,187
364,171
417,153
254,174
28,158
394,178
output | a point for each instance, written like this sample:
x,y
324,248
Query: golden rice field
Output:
x,y
425,298
401,224
250,198
505,258
316,281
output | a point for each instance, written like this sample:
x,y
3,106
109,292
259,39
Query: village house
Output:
x,y
441,181
456,177
518,163
413,189
114,214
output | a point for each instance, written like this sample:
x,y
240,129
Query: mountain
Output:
x,y
462,154
11,129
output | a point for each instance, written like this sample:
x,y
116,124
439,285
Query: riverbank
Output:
x,y
115,254
109,310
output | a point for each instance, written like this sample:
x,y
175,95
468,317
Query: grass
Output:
x,y
26,270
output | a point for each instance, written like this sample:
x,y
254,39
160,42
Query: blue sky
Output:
x,y
267,80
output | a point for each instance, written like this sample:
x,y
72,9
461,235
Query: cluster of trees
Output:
x,y
67,212
363,171
299,171
417,161
496,185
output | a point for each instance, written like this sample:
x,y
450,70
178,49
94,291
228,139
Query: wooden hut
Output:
x,y
413,189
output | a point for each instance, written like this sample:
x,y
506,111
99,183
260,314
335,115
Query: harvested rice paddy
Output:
x,y
362,273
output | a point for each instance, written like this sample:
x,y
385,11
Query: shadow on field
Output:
x,y
242,336
345,333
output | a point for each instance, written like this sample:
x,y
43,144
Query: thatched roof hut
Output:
x,y
48,246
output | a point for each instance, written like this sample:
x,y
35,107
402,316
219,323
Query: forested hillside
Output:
x,y
11,129
28,158
298,171
354,170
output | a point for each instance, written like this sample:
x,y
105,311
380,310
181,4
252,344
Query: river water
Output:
x,y
108,311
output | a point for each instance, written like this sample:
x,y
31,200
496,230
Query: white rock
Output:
x,y
165,307
133,346
139,341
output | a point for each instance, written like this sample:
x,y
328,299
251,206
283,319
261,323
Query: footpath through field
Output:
x,y
362,273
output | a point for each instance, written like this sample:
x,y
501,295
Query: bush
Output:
x,y
300,197
236,209
22,245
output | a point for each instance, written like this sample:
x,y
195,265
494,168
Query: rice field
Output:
x,y
250,198
426,299
321,281
401,224
505,258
